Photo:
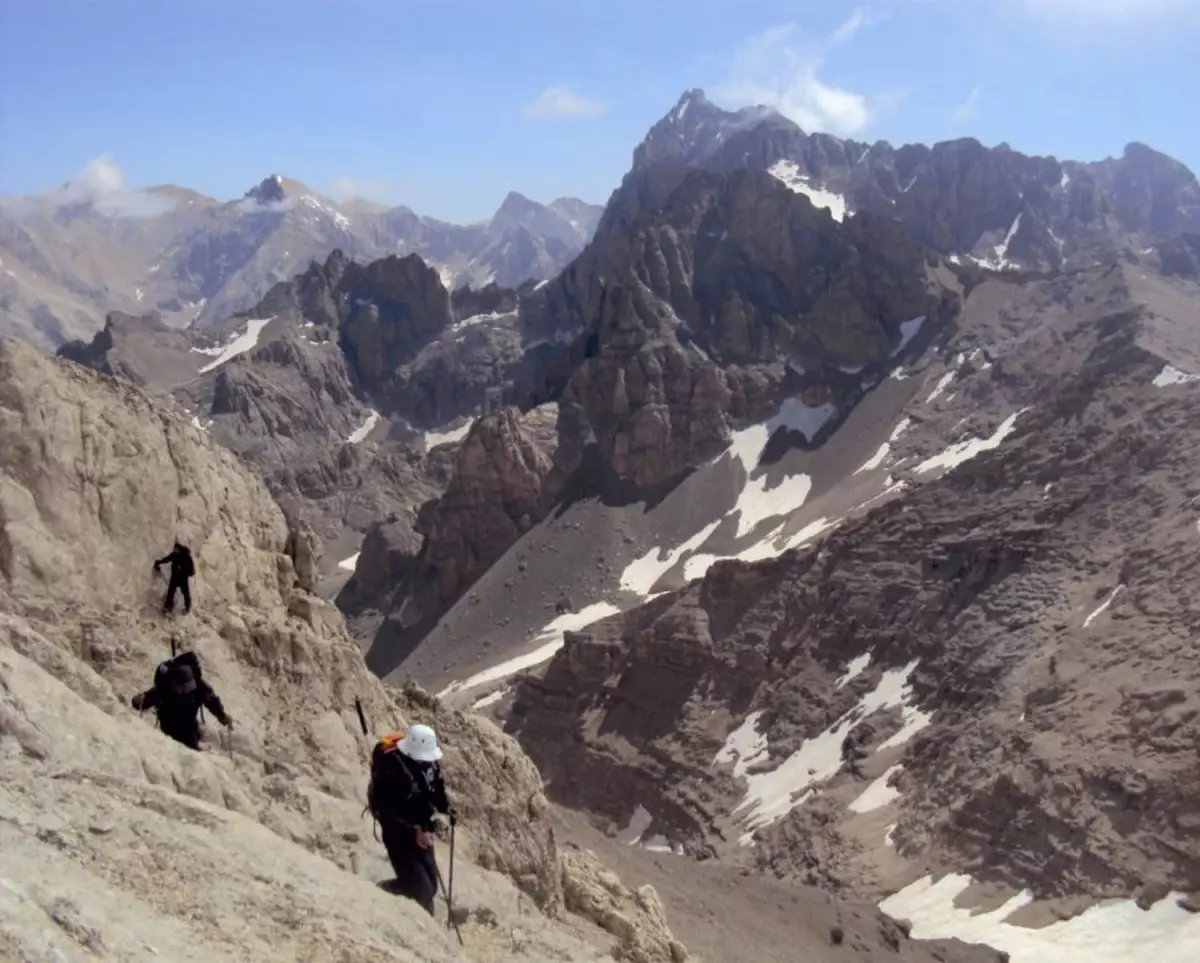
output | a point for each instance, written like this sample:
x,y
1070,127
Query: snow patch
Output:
x,y
541,284
964,451
242,343
941,386
856,667
884,450
787,173
772,795
454,435
1170,375
551,638
1112,931
477,319
641,574
998,261
744,747
878,794
908,331
360,433
1100,609
349,564
491,698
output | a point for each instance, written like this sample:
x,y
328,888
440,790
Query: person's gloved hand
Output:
x,y
228,721
136,702
453,816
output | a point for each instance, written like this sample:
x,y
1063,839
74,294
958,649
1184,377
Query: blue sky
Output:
x,y
448,105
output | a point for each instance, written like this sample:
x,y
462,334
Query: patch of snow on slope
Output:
x,y
964,451
1100,609
878,794
941,386
1112,931
360,433
491,698
641,574
772,795
908,331
769,546
477,319
884,450
856,667
636,828
541,284
999,258
551,638
756,503
239,345
787,173
435,438
1170,375
743,747
348,564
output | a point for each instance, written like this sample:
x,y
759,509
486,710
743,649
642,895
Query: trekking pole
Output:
x,y
362,719
450,905
450,887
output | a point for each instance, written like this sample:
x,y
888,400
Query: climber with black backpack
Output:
x,y
183,567
405,794
177,696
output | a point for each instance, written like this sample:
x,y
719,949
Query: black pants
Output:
x,y
180,584
415,868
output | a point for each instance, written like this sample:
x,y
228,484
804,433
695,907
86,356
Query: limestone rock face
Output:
x,y
636,917
256,847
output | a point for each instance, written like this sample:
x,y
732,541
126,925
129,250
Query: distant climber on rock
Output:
x,y
177,696
182,569
405,793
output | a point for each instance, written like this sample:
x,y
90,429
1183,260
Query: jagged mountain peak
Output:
x,y
269,190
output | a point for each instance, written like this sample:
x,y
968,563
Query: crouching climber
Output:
x,y
183,567
177,696
405,793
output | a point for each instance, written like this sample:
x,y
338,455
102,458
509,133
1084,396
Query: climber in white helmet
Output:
x,y
405,794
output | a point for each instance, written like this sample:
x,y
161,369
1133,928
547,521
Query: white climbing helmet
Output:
x,y
421,744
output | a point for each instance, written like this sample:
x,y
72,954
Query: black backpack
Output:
x,y
393,782
189,566
178,680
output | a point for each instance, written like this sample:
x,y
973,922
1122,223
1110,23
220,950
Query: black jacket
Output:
x,y
405,794
177,716
180,560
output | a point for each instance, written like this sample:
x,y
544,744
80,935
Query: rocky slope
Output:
x,y
1001,641
136,828
69,258
993,205
122,845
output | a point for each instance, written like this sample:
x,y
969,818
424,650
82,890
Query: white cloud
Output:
x,y
378,189
861,17
560,102
101,183
771,70
968,110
